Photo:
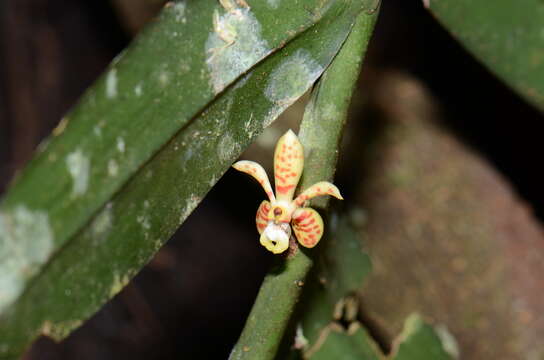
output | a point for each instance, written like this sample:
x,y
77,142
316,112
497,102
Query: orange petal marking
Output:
x,y
257,171
288,164
318,189
262,216
307,234
284,189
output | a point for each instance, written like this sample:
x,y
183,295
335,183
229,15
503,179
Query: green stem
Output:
x,y
320,134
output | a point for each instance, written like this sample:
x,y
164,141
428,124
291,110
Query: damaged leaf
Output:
x,y
143,147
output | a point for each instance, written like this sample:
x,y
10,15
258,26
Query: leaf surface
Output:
x,y
507,37
141,150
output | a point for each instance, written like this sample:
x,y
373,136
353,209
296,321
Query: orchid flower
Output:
x,y
275,217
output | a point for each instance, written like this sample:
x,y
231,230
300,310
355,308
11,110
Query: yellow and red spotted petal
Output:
x,y
262,216
257,171
318,189
308,226
288,164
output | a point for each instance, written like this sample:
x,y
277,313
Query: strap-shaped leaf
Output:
x,y
168,75
320,135
116,128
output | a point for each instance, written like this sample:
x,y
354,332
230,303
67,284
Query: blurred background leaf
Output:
x,y
447,235
507,38
331,320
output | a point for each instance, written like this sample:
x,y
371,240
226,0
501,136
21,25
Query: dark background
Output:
x,y
191,301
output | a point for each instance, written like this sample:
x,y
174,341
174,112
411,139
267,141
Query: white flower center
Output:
x,y
275,237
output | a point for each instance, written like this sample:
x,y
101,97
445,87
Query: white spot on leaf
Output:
x,y
292,78
449,344
212,181
179,8
138,90
330,112
102,223
234,46
111,84
273,113
164,78
118,283
228,148
273,3
113,168
59,129
191,204
143,221
59,331
120,144
79,167
26,241
300,340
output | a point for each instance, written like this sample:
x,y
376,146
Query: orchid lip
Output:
x,y
275,237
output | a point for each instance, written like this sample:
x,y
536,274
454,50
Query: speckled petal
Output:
x,y
288,164
262,216
308,226
318,189
257,171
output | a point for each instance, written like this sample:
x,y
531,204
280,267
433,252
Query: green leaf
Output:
x,y
419,341
342,269
282,286
342,265
99,201
168,75
341,345
321,312
345,265
507,37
